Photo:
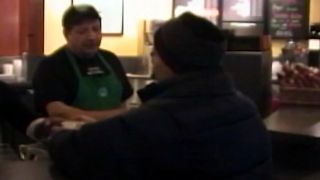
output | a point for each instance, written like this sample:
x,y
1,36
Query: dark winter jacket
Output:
x,y
196,126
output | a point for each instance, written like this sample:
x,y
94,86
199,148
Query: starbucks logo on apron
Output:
x,y
103,92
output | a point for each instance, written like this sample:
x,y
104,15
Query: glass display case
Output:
x,y
243,17
205,8
242,11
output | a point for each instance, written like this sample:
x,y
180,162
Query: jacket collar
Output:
x,y
188,85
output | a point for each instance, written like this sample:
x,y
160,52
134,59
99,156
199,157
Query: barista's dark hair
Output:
x,y
77,14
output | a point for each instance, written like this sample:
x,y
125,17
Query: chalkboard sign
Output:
x,y
289,18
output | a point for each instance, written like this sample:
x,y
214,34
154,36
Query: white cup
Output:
x,y
8,69
17,68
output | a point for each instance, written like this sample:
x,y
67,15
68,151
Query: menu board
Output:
x,y
289,18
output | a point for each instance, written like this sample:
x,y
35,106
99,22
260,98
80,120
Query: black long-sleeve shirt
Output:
x,y
55,80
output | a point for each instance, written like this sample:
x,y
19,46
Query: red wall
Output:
x,y
9,27
21,27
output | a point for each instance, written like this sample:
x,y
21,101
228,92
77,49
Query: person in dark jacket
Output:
x,y
193,123
13,110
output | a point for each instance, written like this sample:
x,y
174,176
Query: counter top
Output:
x,y
299,120
33,170
12,168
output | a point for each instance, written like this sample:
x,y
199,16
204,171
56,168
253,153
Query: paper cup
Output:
x,y
8,69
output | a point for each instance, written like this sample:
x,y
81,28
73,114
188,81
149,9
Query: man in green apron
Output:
x,y
79,80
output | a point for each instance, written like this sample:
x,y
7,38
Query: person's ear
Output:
x,y
65,33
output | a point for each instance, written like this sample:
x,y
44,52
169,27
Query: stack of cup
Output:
x,y
17,65
7,69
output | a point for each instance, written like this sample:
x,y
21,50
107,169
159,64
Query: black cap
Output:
x,y
190,43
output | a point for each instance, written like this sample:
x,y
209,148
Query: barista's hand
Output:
x,y
59,109
54,124
57,124
43,127
82,118
47,126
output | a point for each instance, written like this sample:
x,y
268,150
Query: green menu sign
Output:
x,y
289,18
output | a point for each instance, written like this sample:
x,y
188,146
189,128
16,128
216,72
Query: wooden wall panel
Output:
x,y
24,11
9,27
21,27
35,27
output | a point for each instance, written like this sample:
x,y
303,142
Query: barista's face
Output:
x,y
84,39
160,69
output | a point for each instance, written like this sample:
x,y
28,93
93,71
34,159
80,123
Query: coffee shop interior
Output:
x,y
273,56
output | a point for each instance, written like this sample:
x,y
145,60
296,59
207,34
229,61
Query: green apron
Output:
x,y
96,92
